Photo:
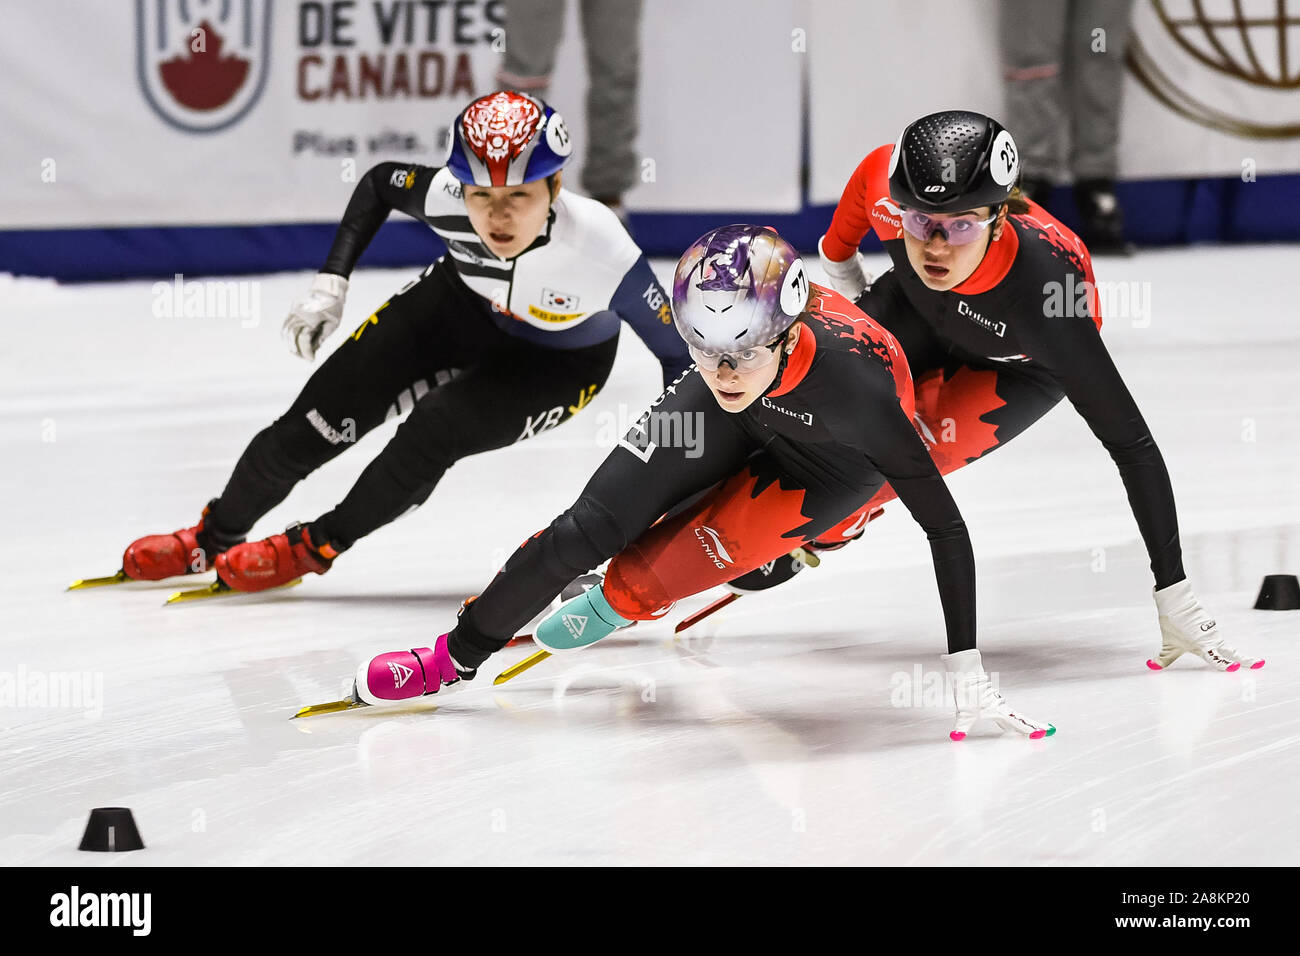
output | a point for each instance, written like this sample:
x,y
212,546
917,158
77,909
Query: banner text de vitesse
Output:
x,y
380,50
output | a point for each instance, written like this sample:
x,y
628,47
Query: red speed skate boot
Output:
x,y
273,561
188,551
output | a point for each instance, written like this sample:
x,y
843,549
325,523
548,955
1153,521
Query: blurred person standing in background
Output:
x,y
1063,65
611,35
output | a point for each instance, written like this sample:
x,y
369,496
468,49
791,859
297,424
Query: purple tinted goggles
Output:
x,y
746,360
957,230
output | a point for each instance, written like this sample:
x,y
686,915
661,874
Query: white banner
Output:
x,y
1207,94
1204,95
172,112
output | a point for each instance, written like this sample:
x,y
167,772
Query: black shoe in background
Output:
x,y
1101,220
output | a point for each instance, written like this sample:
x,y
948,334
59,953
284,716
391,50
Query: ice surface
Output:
x,y
792,729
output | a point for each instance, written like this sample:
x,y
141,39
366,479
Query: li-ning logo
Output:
x,y
805,417
75,909
997,328
575,623
401,673
891,214
716,552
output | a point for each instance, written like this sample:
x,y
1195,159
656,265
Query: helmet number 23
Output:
x,y
1004,164
1008,155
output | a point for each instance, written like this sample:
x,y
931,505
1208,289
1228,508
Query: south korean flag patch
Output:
x,y
559,301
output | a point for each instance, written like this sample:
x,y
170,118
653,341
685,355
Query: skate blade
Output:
x,y
700,615
517,669
220,588
353,703
807,558
82,583
333,707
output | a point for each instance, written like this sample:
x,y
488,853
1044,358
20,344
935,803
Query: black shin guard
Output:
x,y
577,541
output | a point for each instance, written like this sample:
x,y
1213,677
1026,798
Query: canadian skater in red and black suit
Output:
x,y
994,303
801,409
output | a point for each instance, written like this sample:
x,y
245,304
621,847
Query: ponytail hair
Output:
x,y
1016,202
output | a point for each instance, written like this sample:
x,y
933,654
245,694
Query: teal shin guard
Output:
x,y
584,620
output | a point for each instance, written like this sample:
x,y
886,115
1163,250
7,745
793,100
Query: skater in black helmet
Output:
x,y
995,304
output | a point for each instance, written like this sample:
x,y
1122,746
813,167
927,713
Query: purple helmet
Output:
x,y
738,287
507,138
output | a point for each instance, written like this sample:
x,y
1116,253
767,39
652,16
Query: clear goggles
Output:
x,y
746,360
957,230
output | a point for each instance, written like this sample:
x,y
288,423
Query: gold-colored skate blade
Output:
x,y
220,588
353,702
517,669
333,707
808,559
82,583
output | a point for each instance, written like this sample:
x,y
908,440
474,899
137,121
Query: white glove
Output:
x,y
1187,627
976,699
313,318
849,278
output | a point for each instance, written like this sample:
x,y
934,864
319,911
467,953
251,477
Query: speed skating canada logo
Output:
x,y
202,66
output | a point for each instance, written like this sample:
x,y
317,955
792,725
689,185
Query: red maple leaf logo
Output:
x,y
750,520
204,79
950,418
952,411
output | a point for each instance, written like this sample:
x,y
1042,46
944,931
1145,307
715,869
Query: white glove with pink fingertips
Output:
x,y
1188,628
977,699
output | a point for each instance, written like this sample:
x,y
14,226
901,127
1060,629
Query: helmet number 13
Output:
x,y
561,133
